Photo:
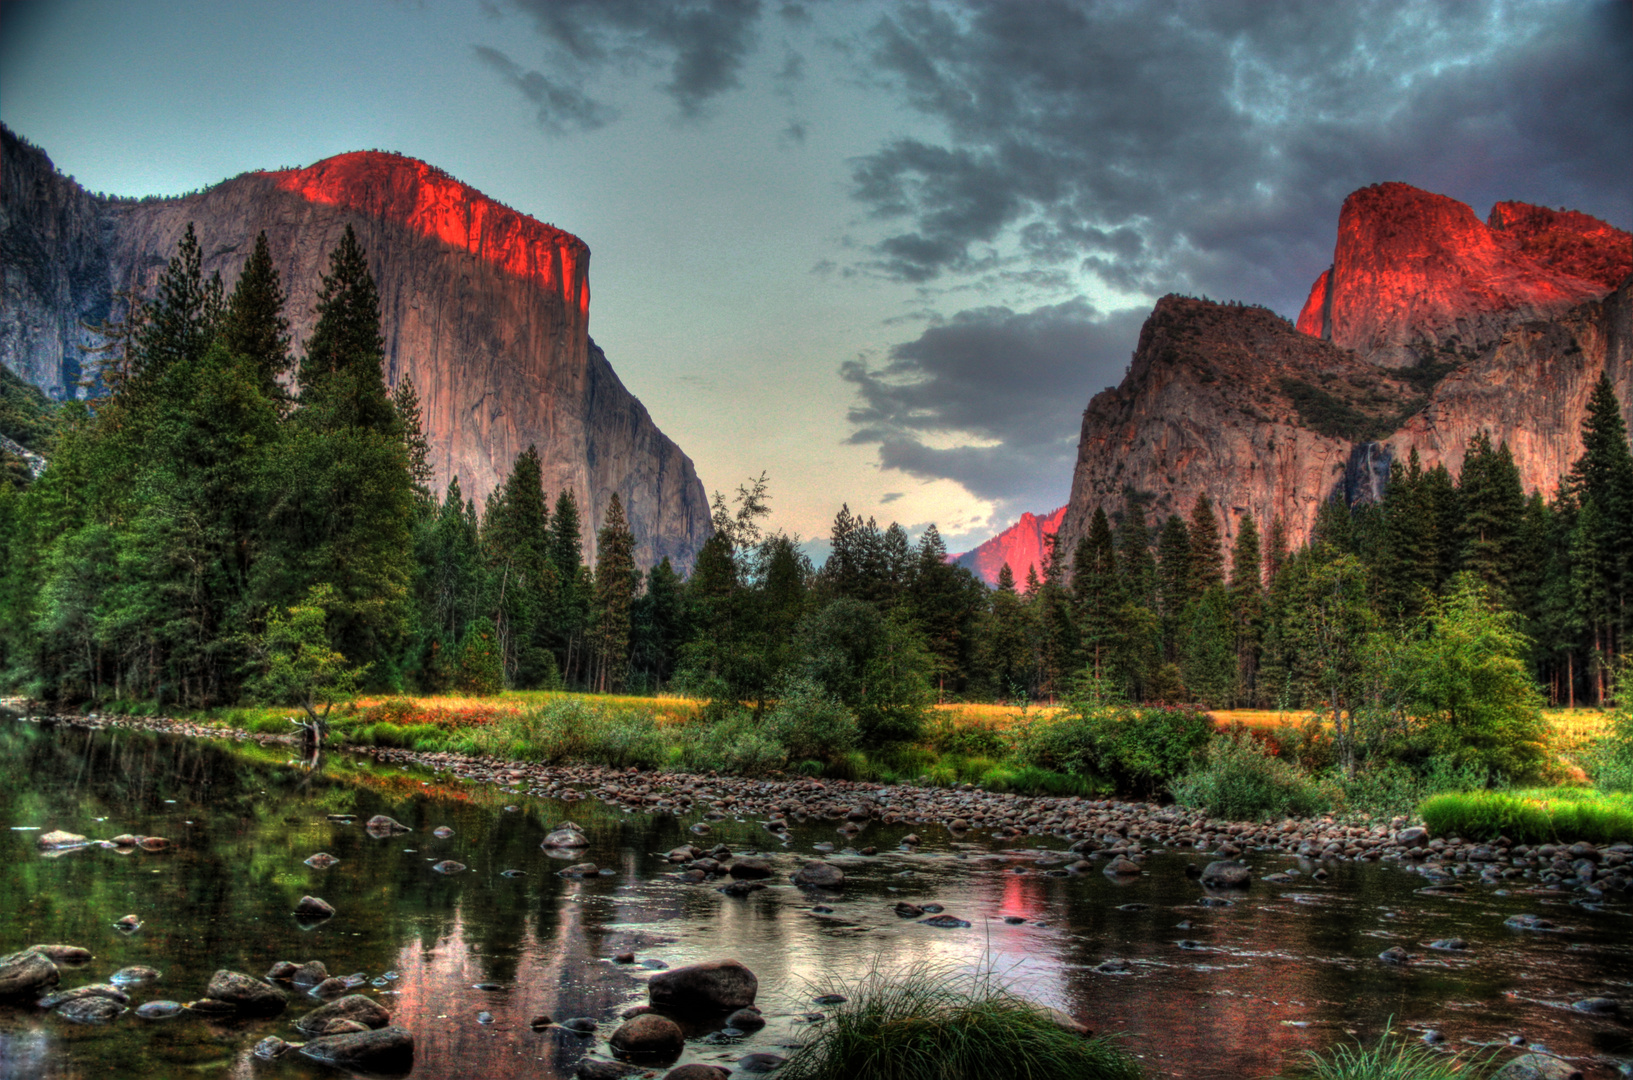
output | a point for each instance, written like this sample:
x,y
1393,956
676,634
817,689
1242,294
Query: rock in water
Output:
x,y
26,974
134,975
717,986
696,1071
565,838
1226,874
322,861
310,907
1538,1067
62,954
90,1010
272,1048
748,1019
449,866
945,922
358,1007
648,1038
128,924
442,832
820,875
381,826
595,1069
750,868
159,1010
248,995
57,840
63,997
387,1050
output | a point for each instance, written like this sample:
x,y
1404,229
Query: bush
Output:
x,y
735,745
1140,750
931,1023
1532,817
479,669
1386,788
1241,781
811,724
1393,1058
982,739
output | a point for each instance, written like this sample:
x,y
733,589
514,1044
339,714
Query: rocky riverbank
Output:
x,y
1098,833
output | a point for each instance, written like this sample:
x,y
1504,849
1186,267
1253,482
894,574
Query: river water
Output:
x,y
1281,970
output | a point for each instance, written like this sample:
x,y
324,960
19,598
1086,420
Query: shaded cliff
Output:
x,y
1021,546
486,309
1417,276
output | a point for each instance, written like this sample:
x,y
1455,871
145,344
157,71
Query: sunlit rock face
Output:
x,y
486,309
1022,546
1418,276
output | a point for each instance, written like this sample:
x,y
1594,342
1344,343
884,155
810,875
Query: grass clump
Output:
x,y
1242,781
1532,817
931,1023
1393,1058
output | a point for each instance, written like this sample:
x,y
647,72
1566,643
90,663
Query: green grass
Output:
x,y
1393,1058
931,1023
1532,817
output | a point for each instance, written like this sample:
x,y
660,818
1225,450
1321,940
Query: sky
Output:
x,y
883,252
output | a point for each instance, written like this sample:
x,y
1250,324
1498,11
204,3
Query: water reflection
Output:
x,y
1278,971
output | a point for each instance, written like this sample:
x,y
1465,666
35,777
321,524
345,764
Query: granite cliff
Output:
x,y
486,309
1021,547
1430,327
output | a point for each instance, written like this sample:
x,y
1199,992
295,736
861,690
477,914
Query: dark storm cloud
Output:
x,y
702,42
560,108
1207,146
1016,382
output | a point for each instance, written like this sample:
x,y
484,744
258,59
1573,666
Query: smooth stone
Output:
x,y
1415,837
1395,955
62,954
540,1022
322,860
388,1050
333,986
311,973
26,974
746,1020
696,1071
449,866
133,975
716,986
904,910
90,1010
314,908
128,924
442,832
63,997
830,999
58,840
648,1038
380,826
820,875
583,1025
759,1063
211,1007
579,870
153,843
566,838
1598,1006
1121,867
159,1010
750,868
597,1069
272,1048
356,1007
945,922
247,994
1450,944
1538,1067
1226,874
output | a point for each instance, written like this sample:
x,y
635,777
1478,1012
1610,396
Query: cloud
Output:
x,y
1206,147
561,109
992,398
703,43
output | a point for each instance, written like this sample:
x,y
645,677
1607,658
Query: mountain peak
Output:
x,y
1023,546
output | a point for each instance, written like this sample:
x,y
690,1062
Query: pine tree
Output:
x,y
570,612
1055,623
1174,583
1246,608
658,627
616,580
1096,592
1406,563
339,377
411,422
1207,559
516,543
1008,651
254,326
181,318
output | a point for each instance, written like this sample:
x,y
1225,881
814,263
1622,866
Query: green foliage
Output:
x,y
1139,750
479,669
26,414
810,724
1241,781
1353,418
1532,817
1393,1058
297,663
735,745
933,1023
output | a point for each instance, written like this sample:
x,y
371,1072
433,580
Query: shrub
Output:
x,y
624,738
1140,750
735,744
811,723
1241,781
1385,788
979,739
931,1023
479,669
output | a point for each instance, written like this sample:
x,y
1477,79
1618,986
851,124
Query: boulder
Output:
x,y
817,874
322,861
716,986
648,1038
62,954
565,837
580,870
380,826
63,997
1121,867
90,1010
248,995
272,1048
748,1019
27,974
1415,837
311,907
159,1010
597,1069
57,840
333,986
387,1050
357,1007
696,1071
750,868
759,1063
1538,1067
1226,874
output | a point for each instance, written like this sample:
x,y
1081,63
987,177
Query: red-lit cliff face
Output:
x,y
1022,546
1417,276
486,309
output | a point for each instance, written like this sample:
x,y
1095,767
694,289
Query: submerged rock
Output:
x,y
1538,1067
1226,874
356,1007
26,974
58,840
272,1048
90,1010
597,1069
128,924
134,975
380,826
945,922
62,954
442,832
322,860
449,866
159,1010
759,1063
63,997
696,1071
566,835
246,994
388,1050
820,875
648,1038
716,986
311,907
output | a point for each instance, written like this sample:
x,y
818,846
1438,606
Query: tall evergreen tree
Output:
x,y
1175,583
1096,592
1246,608
1207,558
254,325
340,376
616,580
411,422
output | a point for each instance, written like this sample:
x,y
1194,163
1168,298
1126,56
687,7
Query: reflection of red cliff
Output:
x,y
1021,546
434,204
1416,274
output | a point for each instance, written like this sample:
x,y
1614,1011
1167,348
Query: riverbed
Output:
x,y
1241,983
